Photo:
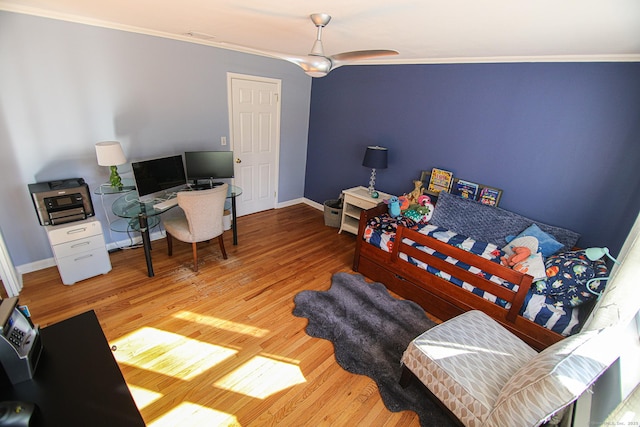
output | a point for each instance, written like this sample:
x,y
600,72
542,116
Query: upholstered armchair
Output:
x,y
199,219
484,375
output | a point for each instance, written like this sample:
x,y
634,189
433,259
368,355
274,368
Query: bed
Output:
x,y
451,264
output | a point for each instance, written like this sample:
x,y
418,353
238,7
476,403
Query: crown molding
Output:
x,y
194,38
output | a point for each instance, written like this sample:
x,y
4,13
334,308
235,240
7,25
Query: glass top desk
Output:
x,y
129,206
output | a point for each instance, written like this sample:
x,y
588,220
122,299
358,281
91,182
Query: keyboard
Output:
x,y
166,204
206,186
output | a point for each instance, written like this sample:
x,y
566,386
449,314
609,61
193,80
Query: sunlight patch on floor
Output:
x,y
261,377
224,324
190,414
168,353
142,396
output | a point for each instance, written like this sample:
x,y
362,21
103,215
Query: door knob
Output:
x,y
238,160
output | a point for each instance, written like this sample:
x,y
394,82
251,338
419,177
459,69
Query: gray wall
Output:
x,y
66,86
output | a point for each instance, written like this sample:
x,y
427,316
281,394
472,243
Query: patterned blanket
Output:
x,y
380,232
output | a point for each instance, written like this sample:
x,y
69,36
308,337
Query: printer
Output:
x,y
61,201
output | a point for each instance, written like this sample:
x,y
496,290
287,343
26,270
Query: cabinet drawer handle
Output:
x,y
77,230
77,245
83,257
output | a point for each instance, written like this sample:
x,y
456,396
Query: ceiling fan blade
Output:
x,y
357,55
314,66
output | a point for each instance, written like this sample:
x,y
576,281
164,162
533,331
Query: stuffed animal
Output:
x,y
520,253
424,200
394,206
404,203
416,193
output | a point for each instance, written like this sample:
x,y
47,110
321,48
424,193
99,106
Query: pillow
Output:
x,y
486,223
528,242
533,266
547,244
567,277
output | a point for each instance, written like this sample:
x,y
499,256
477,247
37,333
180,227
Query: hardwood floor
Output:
x,y
221,347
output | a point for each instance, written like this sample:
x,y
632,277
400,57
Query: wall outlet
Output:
x,y
223,140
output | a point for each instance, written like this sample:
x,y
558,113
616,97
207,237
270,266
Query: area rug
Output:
x,y
370,330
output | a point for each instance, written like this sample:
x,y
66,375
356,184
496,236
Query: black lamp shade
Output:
x,y
375,157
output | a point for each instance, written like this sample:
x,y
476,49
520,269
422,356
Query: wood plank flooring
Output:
x,y
221,347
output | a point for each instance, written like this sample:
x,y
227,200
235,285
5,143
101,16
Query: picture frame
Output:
x,y
489,195
492,195
466,189
436,180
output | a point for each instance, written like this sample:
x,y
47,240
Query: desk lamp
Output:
x,y
375,158
110,154
595,254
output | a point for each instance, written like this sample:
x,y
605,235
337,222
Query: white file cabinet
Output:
x,y
79,250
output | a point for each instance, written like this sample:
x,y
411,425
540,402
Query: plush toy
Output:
x,y
424,201
394,206
416,193
404,203
520,253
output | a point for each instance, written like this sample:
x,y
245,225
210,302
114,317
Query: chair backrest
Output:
x,y
554,378
204,210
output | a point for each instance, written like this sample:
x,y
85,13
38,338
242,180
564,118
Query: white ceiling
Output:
x,y
423,31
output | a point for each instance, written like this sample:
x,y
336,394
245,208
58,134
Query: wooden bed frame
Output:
x,y
440,297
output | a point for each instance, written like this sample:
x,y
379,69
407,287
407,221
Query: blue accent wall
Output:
x,y
561,139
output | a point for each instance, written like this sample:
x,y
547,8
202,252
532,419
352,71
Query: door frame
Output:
x,y
237,76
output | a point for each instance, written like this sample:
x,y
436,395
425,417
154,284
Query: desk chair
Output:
x,y
199,220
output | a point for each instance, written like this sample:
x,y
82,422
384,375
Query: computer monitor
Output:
x,y
209,164
157,177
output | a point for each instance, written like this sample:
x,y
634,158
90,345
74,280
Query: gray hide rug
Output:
x,y
370,330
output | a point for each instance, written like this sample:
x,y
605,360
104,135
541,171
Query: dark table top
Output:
x,y
77,381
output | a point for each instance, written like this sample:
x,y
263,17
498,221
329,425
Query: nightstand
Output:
x,y
356,200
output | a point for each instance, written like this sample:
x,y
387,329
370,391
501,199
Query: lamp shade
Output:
x,y
375,157
596,253
109,153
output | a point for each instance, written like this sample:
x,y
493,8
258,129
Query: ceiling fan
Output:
x,y
316,64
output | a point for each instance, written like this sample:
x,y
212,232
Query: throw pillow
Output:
x,y
567,277
533,266
548,245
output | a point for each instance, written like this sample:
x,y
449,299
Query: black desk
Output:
x,y
77,381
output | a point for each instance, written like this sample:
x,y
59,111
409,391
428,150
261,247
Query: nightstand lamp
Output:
x,y
375,158
109,153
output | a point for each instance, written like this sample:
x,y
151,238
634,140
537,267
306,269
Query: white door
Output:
x,y
11,279
254,114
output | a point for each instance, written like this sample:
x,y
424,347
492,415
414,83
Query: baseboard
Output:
x,y
137,240
36,265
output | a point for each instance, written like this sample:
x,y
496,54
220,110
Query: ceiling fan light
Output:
x,y
315,73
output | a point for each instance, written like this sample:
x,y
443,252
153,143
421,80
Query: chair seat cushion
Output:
x,y
178,227
466,361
